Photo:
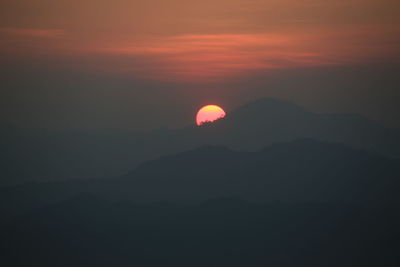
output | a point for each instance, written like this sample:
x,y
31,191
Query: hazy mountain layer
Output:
x,y
299,171
27,156
302,203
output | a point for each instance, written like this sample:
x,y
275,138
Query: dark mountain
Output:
x,y
298,171
267,121
39,156
302,203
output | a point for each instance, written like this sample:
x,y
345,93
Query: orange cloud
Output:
x,y
214,57
210,57
204,57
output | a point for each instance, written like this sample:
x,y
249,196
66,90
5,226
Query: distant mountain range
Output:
x,y
267,121
301,171
302,203
38,156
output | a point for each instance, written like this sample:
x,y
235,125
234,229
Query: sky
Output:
x,y
138,65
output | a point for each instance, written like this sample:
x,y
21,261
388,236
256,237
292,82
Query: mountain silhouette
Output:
x,y
300,171
304,170
33,155
302,203
267,121
86,230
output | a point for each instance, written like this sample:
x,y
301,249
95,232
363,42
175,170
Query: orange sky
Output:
x,y
199,41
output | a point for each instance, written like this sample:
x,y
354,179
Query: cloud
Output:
x,y
203,41
205,58
33,33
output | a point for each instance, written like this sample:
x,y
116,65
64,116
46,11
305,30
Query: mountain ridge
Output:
x,y
252,126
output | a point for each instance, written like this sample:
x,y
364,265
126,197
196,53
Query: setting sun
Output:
x,y
209,113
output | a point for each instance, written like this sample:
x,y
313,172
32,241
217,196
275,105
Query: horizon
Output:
x,y
192,122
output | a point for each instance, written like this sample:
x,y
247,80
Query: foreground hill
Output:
x,y
88,231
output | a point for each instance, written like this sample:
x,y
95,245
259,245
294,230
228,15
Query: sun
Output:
x,y
209,113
